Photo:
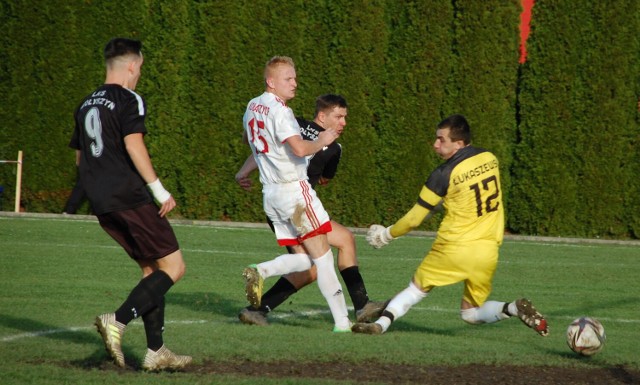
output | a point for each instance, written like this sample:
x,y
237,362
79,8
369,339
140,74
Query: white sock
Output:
x,y
385,322
512,309
488,313
332,290
284,264
401,303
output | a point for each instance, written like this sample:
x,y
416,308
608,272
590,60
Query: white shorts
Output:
x,y
296,212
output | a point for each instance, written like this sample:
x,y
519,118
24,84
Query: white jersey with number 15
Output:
x,y
268,123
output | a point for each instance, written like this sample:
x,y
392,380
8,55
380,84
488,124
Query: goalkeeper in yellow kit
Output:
x,y
466,247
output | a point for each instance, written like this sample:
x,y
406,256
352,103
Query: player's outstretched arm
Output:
x,y
379,236
409,221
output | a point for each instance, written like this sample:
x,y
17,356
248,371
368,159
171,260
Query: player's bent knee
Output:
x,y
173,265
176,272
470,316
341,237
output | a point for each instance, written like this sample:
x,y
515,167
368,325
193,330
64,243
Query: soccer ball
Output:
x,y
586,336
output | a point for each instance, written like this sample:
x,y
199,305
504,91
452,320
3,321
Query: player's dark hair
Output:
x,y
120,46
458,128
329,102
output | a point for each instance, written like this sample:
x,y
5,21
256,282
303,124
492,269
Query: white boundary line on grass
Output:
x,y
355,230
308,313
40,333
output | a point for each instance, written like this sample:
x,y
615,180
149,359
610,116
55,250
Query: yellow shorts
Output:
x,y
449,263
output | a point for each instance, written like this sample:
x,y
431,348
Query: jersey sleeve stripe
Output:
x,y
140,102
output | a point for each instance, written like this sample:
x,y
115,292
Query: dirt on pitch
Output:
x,y
377,373
406,374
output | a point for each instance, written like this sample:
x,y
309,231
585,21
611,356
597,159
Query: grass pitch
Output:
x,y
57,273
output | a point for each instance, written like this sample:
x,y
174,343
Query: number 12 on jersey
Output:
x,y
489,186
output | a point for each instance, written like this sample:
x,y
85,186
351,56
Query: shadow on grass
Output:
x,y
84,336
412,327
291,312
618,371
592,308
33,328
99,360
206,302
212,303
305,312
622,374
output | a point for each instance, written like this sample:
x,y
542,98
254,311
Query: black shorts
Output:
x,y
142,233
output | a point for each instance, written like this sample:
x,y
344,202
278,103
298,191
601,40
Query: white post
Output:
x,y
18,181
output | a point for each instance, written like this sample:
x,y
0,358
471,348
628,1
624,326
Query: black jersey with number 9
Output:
x,y
102,121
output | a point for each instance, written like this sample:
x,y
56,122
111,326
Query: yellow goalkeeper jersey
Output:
x,y
468,186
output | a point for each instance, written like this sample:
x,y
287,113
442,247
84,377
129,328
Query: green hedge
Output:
x,y
577,159
564,124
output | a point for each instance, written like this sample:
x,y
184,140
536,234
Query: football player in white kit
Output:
x,y
299,219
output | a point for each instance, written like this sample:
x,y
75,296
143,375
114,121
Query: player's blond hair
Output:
x,y
276,61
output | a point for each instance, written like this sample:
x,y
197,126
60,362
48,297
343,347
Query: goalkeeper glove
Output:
x,y
379,236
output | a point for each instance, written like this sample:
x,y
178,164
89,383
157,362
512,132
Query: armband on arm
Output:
x,y
158,191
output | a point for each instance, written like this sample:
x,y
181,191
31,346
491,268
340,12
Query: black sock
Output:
x,y
355,285
144,297
154,326
276,295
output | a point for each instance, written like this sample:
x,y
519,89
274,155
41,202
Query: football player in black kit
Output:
x,y
331,111
121,185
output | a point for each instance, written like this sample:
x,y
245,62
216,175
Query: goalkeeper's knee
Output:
x,y
470,316
489,312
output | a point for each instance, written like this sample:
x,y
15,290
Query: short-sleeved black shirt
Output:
x,y
102,120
